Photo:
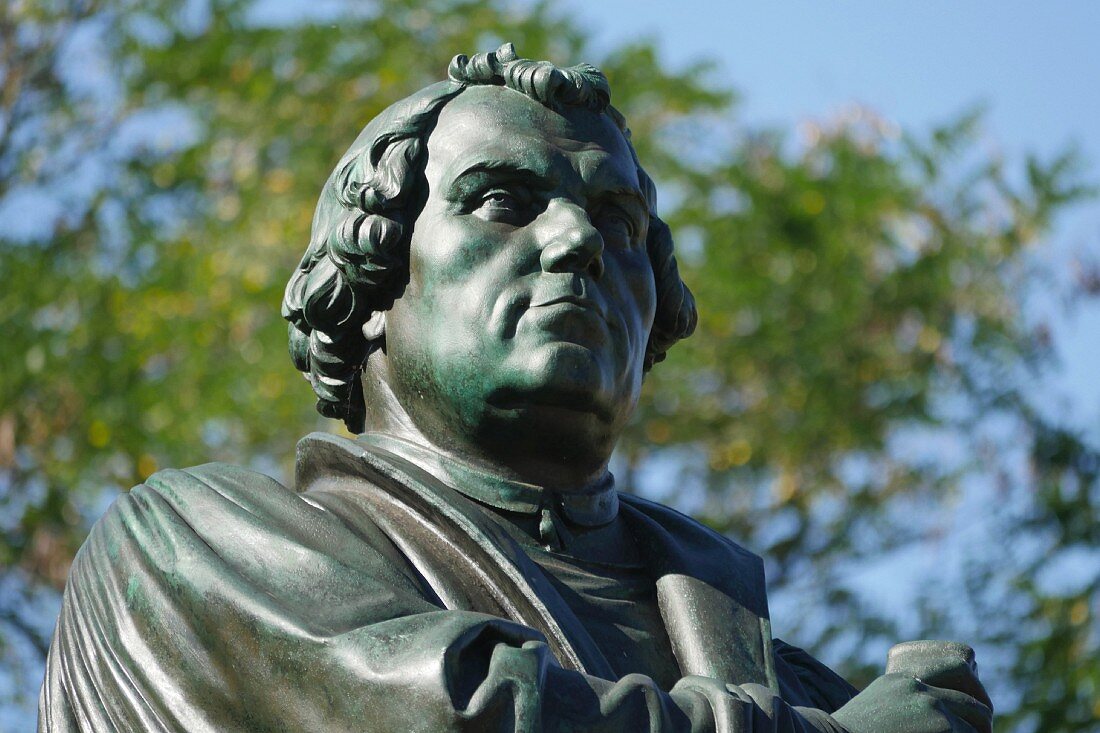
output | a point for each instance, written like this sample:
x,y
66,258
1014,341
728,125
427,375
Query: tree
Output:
x,y
860,294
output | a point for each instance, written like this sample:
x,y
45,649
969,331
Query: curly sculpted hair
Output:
x,y
358,256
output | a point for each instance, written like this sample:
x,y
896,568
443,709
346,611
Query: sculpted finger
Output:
x,y
963,708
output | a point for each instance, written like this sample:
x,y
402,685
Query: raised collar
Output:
x,y
595,506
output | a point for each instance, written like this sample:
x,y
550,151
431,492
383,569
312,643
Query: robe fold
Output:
x,y
376,598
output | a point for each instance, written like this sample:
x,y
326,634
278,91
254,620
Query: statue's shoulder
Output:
x,y
177,516
687,529
198,493
225,525
227,480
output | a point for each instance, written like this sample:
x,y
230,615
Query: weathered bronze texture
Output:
x,y
486,284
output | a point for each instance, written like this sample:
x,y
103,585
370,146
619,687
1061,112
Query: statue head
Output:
x,y
488,255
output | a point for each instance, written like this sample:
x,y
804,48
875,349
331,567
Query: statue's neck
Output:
x,y
590,505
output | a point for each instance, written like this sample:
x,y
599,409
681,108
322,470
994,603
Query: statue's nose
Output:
x,y
572,244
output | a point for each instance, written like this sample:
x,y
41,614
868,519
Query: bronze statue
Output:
x,y
486,284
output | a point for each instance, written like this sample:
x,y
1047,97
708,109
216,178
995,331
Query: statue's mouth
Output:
x,y
572,290
570,302
581,301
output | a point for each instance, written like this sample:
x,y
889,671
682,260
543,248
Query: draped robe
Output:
x,y
376,598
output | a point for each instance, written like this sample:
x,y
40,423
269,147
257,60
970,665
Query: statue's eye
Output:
x,y
616,226
499,198
498,203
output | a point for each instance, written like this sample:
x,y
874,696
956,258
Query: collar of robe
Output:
x,y
593,506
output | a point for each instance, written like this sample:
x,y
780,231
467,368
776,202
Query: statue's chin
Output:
x,y
522,397
533,432
565,375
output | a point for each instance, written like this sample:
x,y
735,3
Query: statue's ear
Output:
x,y
375,327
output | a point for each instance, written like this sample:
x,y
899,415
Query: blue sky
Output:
x,y
1034,65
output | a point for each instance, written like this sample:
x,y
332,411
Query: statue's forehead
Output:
x,y
495,124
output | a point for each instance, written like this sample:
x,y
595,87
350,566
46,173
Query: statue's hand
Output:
x,y
899,703
948,664
929,687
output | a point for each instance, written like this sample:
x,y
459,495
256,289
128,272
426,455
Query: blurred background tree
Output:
x,y
854,406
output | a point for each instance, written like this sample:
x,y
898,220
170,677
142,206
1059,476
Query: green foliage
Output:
x,y
854,285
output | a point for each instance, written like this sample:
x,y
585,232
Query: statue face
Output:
x,y
531,296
